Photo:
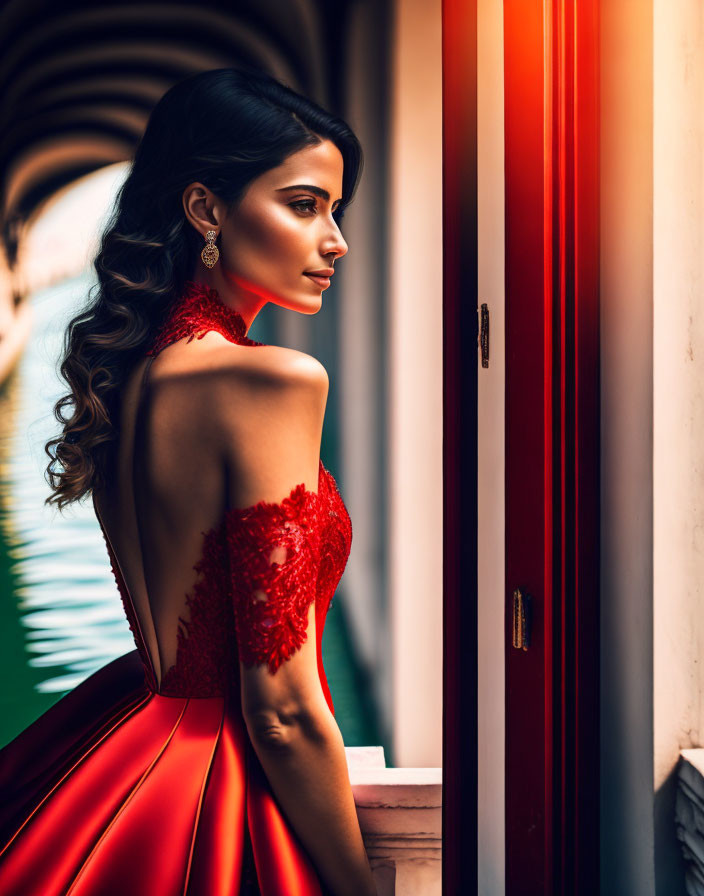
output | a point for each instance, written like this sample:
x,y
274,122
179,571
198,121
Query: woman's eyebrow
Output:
x,y
319,191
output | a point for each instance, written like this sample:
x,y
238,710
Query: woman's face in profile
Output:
x,y
283,227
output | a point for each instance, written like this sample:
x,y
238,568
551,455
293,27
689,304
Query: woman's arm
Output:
x,y
305,764
271,428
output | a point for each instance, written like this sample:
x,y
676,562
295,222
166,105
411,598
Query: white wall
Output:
x,y
626,450
678,409
414,490
652,431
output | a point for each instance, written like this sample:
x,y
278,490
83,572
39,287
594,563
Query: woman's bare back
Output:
x,y
196,438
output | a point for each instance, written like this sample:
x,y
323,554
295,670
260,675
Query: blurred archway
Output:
x,y
80,79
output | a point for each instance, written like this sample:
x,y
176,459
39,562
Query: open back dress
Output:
x,y
129,787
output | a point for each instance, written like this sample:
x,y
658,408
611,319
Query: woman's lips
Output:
x,y
321,281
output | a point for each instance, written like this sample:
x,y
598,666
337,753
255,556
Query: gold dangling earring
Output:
x,y
210,253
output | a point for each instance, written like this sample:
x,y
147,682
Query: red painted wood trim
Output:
x,y
552,443
528,451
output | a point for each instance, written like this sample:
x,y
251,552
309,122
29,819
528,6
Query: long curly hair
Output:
x,y
223,128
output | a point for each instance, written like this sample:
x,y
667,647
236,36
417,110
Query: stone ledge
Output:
x,y
400,815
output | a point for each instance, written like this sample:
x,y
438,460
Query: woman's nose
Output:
x,y
337,246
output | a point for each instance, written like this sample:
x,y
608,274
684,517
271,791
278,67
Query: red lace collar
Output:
x,y
199,310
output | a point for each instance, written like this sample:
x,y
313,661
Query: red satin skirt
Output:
x,y
118,790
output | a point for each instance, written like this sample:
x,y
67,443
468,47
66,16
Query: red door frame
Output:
x,y
459,755
552,444
551,66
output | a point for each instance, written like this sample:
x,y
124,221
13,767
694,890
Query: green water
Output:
x,y
60,613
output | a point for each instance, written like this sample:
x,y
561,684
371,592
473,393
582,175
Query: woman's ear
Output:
x,y
201,207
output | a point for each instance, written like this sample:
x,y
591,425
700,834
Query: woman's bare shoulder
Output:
x,y
268,408
214,358
275,363
268,388
259,409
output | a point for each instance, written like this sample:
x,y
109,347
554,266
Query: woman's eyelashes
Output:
x,y
310,205
304,204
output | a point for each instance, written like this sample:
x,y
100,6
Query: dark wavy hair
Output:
x,y
223,128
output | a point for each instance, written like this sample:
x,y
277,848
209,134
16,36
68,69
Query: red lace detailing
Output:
x,y
259,572
130,614
206,663
274,554
335,539
198,311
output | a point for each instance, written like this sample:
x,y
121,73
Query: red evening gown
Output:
x,y
123,788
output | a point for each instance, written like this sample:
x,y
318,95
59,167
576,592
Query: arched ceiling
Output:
x,y
80,78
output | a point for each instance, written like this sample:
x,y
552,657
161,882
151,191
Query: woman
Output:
x,y
208,761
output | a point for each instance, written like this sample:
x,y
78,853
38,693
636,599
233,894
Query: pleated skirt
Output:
x,y
117,789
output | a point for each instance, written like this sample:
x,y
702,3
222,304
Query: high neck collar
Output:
x,y
199,310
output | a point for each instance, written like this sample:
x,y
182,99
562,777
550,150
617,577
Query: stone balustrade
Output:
x,y
400,815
